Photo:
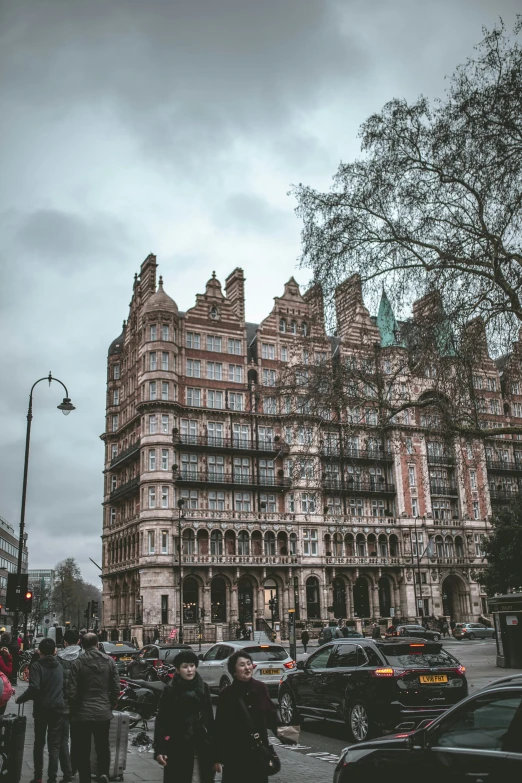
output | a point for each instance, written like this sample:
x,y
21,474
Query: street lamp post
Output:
x,y
181,516
66,407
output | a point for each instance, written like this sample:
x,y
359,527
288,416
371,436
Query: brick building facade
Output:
x,y
279,502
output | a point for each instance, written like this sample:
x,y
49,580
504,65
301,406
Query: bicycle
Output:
x,y
23,666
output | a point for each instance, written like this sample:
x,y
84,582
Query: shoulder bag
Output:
x,y
267,758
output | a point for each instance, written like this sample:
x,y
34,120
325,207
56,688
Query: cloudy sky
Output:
x,y
175,127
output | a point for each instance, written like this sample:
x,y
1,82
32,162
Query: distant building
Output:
x,y
43,576
8,563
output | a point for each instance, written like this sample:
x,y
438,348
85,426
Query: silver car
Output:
x,y
271,661
473,631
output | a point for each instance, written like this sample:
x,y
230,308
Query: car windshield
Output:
x,y
417,656
263,653
118,648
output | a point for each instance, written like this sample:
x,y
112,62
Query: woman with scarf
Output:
x,y
243,708
183,733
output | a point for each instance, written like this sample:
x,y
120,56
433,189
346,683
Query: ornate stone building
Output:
x,y
281,501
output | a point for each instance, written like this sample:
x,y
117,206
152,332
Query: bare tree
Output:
x,y
71,594
435,203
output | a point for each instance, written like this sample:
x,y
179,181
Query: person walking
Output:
x,y
376,631
71,651
305,638
46,690
445,628
245,698
93,690
6,657
184,727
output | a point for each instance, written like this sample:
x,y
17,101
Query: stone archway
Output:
x,y
455,598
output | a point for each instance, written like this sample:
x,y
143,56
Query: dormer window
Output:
x,y
282,325
214,314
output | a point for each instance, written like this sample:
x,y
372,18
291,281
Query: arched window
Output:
x,y
459,547
230,542
243,543
304,328
216,542
189,542
327,545
394,546
270,547
383,546
348,545
257,541
360,544
338,545
313,609
439,545
293,327
448,546
282,543
282,325
293,544
218,600
372,545
190,600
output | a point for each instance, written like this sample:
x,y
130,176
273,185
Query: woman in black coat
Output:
x,y
184,729
234,748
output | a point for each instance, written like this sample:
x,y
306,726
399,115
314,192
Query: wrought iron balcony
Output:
x,y
198,477
261,560
124,489
501,466
440,459
361,487
504,495
443,489
356,455
126,454
366,560
243,445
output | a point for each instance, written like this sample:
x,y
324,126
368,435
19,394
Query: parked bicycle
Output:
x,y
24,664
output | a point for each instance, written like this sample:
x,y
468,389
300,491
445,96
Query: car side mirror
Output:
x,y
417,740
200,657
300,664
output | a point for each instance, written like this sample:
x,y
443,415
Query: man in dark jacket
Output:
x,y
71,650
94,688
46,691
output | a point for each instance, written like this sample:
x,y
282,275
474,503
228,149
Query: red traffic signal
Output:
x,y
27,601
28,595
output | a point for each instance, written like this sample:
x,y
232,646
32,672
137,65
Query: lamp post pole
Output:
x,y
66,407
181,503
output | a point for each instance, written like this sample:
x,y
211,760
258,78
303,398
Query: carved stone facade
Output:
x,y
363,529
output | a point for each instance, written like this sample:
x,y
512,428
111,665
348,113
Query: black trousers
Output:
x,y
65,758
47,725
82,735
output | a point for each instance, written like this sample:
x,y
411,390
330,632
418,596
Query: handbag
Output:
x,y
268,759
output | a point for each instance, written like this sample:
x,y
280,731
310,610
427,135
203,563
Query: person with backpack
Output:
x,y
46,690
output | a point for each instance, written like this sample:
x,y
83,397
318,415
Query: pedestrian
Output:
x,y
245,702
174,635
93,691
46,690
305,638
71,651
14,649
452,625
184,727
376,631
238,632
445,628
6,658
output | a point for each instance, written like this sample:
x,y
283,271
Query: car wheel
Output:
x,y
472,636
287,709
435,637
224,683
359,724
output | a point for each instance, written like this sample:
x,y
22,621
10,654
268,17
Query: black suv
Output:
x,y
413,630
478,739
373,685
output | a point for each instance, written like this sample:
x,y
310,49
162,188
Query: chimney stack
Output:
x,y
235,292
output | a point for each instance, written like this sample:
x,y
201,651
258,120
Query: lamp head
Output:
x,y
66,406
181,503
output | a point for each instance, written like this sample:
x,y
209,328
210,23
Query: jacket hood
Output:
x,y
70,653
49,661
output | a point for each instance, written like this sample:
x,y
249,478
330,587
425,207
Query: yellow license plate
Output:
x,y
270,671
125,658
433,679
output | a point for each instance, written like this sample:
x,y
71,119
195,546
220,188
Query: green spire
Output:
x,y
387,323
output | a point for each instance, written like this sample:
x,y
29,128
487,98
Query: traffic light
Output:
x,y
87,613
94,608
28,601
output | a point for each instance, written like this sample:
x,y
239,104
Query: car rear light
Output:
x,y
385,672
290,665
461,669
114,657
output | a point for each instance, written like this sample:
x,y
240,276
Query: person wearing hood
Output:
x,y
71,650
93,691
184,728
46,690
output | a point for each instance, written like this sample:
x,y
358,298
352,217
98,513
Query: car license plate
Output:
x,y
270,671
433,679
125,658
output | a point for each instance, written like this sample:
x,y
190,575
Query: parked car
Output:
x,y
413,630
373,685
477,739
120,652
271,661
151,656
473,631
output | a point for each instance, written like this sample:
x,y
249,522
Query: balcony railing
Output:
x,y
227,479
362,487
440,459
501,466
125,488
261,560
504,495
366,560
126,453
443,489
243,445
356,455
